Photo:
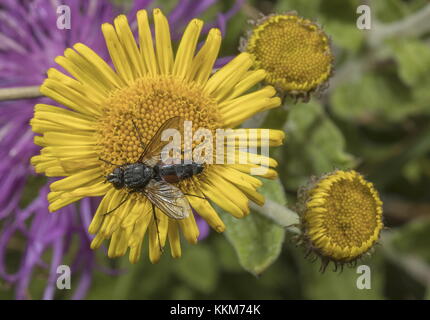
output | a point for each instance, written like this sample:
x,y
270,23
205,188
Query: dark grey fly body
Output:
x,y
149,176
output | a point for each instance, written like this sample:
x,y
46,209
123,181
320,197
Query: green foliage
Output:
x,y
315,145
199,268
413,239
341,285
413,59
394,10
344,34
304,8
256,239
376,97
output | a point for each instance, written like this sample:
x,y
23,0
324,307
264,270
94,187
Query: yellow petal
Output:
x,y
77,180
247,168
163,43
138,210
141,224
60,203
225,87
78,68
135,253
101,210
187,47
205,210
98,189
155,248
174,239
129,44
90,91
225,203
117,53
228,70
189,228
66,96
236,116
97,241
145,43
118,244
251,79
203,62
104,72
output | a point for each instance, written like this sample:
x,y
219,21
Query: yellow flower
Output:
x,y
294,52
341,217
150,84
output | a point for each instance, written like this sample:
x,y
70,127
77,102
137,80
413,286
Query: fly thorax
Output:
x,y
137,175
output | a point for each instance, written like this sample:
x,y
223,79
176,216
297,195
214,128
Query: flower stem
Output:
x,y
19,93
279,214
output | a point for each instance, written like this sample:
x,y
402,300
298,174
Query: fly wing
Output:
x,y
168,198
151,154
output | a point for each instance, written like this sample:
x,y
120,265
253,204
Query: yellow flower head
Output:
x,y
341,217
149,85
294,52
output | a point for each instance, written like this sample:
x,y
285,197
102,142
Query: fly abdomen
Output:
x,y
173,173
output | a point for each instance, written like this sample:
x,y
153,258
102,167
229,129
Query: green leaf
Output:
x,y
226,256
393,10
373,99
198,268
413,59
307,9
314,145
273,190
345,34
413,239
413,170
256,239
340,10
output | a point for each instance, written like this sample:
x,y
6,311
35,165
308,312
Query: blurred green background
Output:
x,y
374,117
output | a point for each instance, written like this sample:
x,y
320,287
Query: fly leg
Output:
x,y
108,162
120,204
194,195
138,134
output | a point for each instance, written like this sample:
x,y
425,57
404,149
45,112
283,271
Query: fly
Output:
x,y
152,178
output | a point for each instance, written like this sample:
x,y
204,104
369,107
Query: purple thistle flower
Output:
x,y
29,42
46,231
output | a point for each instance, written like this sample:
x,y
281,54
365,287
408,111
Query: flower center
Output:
x,y
294,51
147,104
351,217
